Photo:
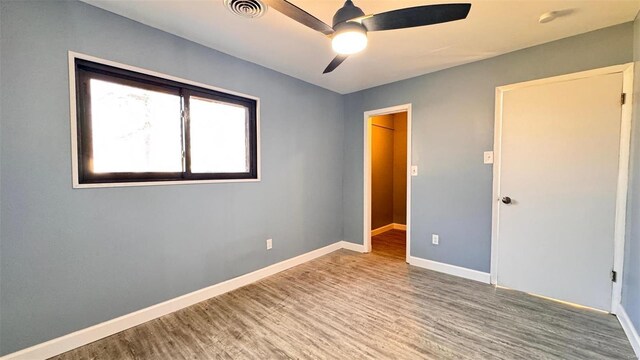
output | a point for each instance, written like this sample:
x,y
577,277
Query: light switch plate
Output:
x,y
488,157
414,170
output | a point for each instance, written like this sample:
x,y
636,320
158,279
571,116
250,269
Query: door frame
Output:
x,y
623,168
367,173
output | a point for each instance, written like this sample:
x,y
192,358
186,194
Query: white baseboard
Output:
x,y
629,329
400,227
470,274
381,229
85,336
388,227
352,246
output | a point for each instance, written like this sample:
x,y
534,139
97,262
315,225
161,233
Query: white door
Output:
x,y
559,167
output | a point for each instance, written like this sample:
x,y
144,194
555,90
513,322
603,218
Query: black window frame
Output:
x,y
85,70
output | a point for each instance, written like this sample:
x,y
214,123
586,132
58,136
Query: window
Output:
x,y
134,127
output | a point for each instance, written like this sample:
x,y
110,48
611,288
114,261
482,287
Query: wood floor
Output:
x,y
347,305
390,243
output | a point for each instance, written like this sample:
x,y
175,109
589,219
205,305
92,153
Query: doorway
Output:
x,y
560,184
387,181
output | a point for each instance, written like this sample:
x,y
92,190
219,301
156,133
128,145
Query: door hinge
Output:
x,y
623,99
614,276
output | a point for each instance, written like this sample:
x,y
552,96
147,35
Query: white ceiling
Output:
x,y
493,27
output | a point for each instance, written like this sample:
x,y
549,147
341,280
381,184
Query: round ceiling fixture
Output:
x,y
249,9
350,38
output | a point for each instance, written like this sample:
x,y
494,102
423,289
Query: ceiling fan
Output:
x,y
350,24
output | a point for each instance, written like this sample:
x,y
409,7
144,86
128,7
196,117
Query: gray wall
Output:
x,y
631,284
74,258
453,116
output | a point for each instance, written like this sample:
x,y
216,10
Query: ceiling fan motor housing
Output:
x,y
347,12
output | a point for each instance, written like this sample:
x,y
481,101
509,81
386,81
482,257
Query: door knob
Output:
x,y
506,200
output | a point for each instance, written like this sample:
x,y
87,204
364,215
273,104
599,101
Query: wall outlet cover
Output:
x,y
488,157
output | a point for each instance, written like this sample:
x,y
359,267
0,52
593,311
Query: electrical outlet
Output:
x,y
269,244
435,239
488,157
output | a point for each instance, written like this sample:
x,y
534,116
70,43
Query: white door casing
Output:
x,y
366,231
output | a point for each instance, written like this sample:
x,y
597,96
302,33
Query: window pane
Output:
x,y
219,137
134,129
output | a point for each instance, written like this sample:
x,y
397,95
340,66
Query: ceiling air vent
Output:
x,y
249,9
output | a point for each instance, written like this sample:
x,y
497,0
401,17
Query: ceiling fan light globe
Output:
x,y
349,38
349,42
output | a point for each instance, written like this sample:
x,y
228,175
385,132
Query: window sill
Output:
x,y
160,183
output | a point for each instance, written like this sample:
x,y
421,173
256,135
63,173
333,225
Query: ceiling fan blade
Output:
x,y
299,15
335,63
416,16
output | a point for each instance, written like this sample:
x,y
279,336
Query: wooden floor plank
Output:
x,y
369,306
